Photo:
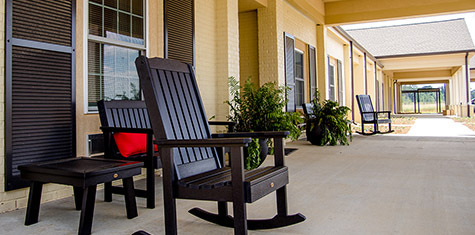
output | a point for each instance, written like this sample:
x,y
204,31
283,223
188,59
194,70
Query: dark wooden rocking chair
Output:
x,y
368,115
189,153
124,116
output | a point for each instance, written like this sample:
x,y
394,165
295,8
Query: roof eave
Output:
x,y
357,45
425,54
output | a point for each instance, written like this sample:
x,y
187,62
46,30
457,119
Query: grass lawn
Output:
x,y
423,108
400,125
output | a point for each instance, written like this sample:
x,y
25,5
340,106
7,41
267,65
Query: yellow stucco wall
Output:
x,y
295,23
370,83
458,95
322,60
217,52
248,47
338,48
269,67
359,80
273,21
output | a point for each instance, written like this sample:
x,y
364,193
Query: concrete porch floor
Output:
x,y
383,184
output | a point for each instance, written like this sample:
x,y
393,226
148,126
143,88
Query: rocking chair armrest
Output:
x,y
256,134
223,142
382,111
128,130
375,112
230,124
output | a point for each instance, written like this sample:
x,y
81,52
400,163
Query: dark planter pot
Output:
x,y
263,148
314,135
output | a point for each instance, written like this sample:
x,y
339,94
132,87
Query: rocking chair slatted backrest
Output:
x,y
120,114
174,85
365,105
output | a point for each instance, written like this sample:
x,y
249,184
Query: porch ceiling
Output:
x,y
358,11
423,63
249,5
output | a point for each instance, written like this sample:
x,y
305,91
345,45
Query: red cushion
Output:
x,y
131,143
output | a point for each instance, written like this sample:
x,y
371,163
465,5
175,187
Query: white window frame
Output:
x,y
328,82
341,83
93,38
299,79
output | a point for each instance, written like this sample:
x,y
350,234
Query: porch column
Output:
x,y
227,52
271,65
322,61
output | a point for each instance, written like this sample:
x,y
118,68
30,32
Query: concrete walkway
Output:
x,y
380,184
437,125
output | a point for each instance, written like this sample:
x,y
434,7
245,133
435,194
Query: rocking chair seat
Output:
x,y
257,182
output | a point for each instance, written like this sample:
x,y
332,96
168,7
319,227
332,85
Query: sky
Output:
x,y
469,19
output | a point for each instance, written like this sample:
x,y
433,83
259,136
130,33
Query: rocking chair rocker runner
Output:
x,y
191,166
368,115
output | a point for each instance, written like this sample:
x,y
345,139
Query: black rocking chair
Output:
x,y
368,115
191,166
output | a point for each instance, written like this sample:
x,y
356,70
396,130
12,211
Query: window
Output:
x,y
115,39
339,76
335,80
299,79
331,82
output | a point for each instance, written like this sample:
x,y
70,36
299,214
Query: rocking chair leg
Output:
x,y
222,209
239,205
281,196
240,217
150,181
169,202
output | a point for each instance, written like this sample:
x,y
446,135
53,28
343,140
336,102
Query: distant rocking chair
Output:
x,y
191,166
368,115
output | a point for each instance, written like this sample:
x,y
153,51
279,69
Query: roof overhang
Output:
x,y
361,11
425,62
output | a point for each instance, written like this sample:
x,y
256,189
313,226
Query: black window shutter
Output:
x,y
39,84
289,47
179,30
312,71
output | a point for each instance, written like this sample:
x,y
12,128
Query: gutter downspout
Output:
x,y
376,87
394,96
352,84
467,76
365,76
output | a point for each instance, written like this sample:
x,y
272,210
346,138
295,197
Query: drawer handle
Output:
x,y
115,175
272,184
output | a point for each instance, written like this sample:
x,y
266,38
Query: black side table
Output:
x,y
83,174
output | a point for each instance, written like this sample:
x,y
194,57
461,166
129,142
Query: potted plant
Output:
x,y
327,123
255,108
